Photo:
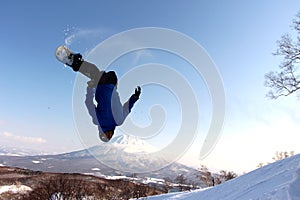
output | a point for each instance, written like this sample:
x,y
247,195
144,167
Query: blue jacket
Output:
x,y
109,111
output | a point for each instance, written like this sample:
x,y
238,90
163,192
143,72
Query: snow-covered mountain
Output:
x,y
123,153
279,180
110,159
132,144
128,140
18,151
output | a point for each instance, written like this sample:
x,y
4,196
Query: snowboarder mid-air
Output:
x,y
109,112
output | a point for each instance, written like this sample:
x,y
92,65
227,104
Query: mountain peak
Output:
x,y
132,144
127,140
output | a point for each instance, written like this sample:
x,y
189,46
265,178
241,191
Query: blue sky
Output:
x,y
240,37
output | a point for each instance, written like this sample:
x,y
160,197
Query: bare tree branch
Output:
x,y
287,80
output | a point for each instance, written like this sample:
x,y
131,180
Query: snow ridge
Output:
x,y
127,140
294,189
279,180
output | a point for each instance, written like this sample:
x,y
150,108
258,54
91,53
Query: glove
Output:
x,y
137,92
92,84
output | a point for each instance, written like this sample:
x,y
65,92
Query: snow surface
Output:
x,y
14,189
279,180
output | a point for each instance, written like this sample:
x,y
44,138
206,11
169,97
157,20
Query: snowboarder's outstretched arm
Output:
x,y
120,112
89,102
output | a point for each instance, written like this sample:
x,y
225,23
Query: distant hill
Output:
x,y
120,153
17,151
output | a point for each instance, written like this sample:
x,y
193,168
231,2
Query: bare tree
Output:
x,y
168,184
210,179
282,155
60,187
287,80
181,181
279,155
227,175
206,177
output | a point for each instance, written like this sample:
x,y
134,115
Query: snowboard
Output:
x,y
63,54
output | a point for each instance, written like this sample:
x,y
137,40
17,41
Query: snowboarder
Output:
x,y
109,112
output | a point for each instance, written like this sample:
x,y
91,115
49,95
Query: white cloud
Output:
x,y
2,122
141,54
23,139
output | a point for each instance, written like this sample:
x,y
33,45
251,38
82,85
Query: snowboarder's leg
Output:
x,y
90,70
75,61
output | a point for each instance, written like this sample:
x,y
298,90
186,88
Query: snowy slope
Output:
x,y
279,180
